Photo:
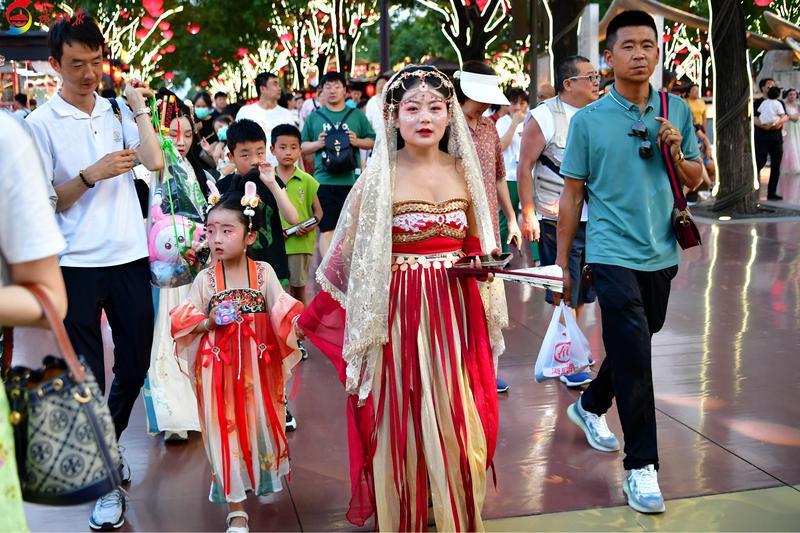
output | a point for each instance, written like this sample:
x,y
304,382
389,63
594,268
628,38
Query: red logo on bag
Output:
x,y
561,352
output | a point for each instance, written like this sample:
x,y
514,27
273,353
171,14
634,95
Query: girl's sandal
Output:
x,y
237,529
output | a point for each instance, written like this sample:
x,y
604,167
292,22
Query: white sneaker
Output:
x,y
594,426
642,491
176,436
109,511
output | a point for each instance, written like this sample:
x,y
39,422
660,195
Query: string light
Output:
x,y
131,42
493,16
238,78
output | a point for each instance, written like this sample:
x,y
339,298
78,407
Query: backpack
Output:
x,y
338,156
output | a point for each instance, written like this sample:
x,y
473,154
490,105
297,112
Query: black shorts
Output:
x,y
331,199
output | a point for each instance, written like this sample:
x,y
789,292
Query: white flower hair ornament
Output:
x,y
213,196
250,201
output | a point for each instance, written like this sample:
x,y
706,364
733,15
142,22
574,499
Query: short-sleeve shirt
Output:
x,y
630,201
104,227
28,227
510,154
315,123
269,245
301,190
266,118
490,156
762,135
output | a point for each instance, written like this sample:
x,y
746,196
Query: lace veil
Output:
x,y
356,270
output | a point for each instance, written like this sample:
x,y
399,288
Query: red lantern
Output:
x,y
193,29
370,90
167,34
763,3
170,48
141,34
155,8
169,76
164,25
203,83
148,22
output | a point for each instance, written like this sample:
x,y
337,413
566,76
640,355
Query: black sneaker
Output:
x,y
303,351
124,469
774,197
291,422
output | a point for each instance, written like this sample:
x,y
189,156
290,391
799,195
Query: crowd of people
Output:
x,y
392,192
777,133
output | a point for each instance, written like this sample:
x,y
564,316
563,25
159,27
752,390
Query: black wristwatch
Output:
x,y
84,180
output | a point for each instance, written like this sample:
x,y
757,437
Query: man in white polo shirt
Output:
x,y
88,149
266,112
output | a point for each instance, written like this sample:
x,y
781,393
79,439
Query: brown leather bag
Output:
x,y
66,447
686,232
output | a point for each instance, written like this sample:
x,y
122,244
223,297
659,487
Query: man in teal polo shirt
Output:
x,y
334,115
613,153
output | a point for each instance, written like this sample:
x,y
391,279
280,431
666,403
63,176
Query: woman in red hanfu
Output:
x,y
237,330
413,345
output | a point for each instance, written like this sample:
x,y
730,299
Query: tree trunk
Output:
x,y
732,101
565,28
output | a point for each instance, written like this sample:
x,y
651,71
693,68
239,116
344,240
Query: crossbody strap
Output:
x,y
672,173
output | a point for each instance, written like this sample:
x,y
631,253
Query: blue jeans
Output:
x,y
577,258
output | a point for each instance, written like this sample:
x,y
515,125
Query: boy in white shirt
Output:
x,y
266,112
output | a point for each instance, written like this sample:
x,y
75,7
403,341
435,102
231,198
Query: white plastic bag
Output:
x,y
564,350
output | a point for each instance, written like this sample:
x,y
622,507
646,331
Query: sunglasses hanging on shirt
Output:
x,y
638,129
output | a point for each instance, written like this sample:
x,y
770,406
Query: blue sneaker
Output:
x,y
597,433
502,386
641,490
576,380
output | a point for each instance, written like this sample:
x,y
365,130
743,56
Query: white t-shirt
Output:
x,y
547,124
770,111
104,227
374,112
266,118
510,154
28,228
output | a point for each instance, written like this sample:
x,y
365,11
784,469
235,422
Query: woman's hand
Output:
x,y
475,262
514,234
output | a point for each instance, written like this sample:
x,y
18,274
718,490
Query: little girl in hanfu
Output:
x,y
237,329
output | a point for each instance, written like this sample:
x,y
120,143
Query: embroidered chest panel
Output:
x,y
418,220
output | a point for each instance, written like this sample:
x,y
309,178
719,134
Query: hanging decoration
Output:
x,y
238,78
511,65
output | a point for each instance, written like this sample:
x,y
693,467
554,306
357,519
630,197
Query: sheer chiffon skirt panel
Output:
x,y
429,435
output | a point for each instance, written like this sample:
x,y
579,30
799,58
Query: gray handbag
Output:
x,y
64,436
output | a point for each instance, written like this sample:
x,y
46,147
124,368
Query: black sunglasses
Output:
x,y
638,129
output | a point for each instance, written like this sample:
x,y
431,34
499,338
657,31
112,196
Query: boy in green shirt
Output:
x,y
353,131
302,191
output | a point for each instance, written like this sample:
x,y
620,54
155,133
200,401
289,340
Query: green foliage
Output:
x,y
415,33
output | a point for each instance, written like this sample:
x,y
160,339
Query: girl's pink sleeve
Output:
x,y
185,317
